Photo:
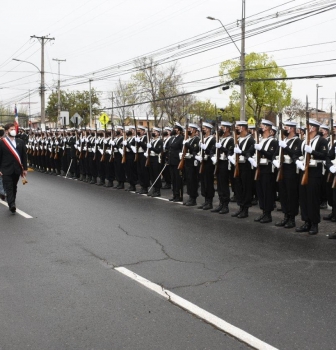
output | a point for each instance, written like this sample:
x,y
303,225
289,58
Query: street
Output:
x,y
61,287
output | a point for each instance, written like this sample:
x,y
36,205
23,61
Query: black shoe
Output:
x,y
217,209
260,217
12,208
290,223
171,199
166,187
224,210
328,217
131,188
2,197
243,214
156,194
266,219
178,199
93,181
201,206
191,203
207,206
304,228
235,214
254,201
233,199
143,191
120,186
324,205
332,235
313,230
108,184
283,222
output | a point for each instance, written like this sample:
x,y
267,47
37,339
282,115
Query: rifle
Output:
x,y
201,170
304,180
136,157
123,160
112,138
217,140
332,140
281,151
235,138
257,171
184,150
57,148
64,137
52,149
81,156
148,140
102,159
42,151
95,145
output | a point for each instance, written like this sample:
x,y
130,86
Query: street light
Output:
x,y
42,92
317,87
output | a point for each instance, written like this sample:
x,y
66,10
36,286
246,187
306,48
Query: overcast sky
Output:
x,y
95,34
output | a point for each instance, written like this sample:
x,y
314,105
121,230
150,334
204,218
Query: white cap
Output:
x,y
314,122
208,125
168,128
157,129
323,126
266,122
241,123
290,123
178,125
192,125
142,127
226,124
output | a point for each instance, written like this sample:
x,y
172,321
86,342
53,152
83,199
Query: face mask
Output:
x,y
285,132
203,132
173,133
129,133
320,133
260,131
12,133
238,132
220,132
138,133
153,135
73,134
118,133
165,133
92,134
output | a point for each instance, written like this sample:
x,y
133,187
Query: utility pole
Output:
x,y
43,40
91,102
59,87
242,65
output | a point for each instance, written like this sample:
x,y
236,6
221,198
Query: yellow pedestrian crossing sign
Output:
x,y
251,120
104,118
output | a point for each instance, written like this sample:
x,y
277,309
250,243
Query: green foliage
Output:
x,y
74,102
205,109
261,96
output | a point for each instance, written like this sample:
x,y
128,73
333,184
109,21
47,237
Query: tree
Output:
x,y
205,109
125,94
261,96
296,110
73,101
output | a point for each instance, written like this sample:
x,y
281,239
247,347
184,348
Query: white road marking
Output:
x,y
20,212
199,312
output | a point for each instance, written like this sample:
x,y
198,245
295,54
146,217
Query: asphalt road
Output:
x,y
59,288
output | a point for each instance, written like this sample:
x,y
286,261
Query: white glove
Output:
x,y
149,145
76,146
282,144
237,150
332,169
253,162
214,160
257,146
77,142
96,142
232,159
84,148
180,155
124,143
218,145
146,154
299,164
108,151
64,140
56,143
308,149
133,148
112,143
137,139
100,150
276,163
203,146
105,141
185,141
199,158
49,149
121,151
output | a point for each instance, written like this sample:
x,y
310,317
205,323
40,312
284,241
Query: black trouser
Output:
x,y
142,171
191,174
207,181
176,179
310,195
10,187
244,185
223,180
130,168
100,165
119,167
92,164
289,194
324,196
109,169
154,171
166,172
265,190
82,167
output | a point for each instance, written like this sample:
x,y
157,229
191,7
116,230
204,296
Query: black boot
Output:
x,y
156,193
208,206
120,186
202,205
224,210
260,217
266,219
217,209
93,180
328,217
290,223
304,228
191,202
81,178
243,214
313,230
144,190
235,214
283,222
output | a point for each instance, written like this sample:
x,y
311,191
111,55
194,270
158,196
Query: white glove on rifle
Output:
x,y
232,159
112,143
137,139
257,146
276,163
203,146
133,148
105,141
149,145
121,151
299,164
185,141
218,145
180,155
199,158
332,169
124,143
282,144
308,149
214,160
237,150
146,154
253,162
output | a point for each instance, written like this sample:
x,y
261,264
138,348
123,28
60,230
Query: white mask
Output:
x,y
12,133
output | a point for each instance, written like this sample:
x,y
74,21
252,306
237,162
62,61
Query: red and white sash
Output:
x,y
13,150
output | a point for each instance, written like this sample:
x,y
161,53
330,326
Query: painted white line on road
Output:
x,y
199,312
20,212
